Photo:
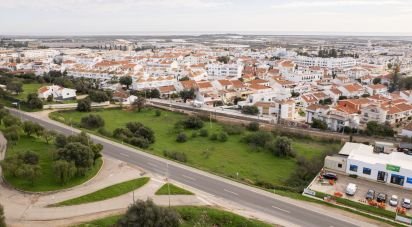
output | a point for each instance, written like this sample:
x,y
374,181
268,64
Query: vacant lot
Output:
x,y
28,89
225,158
46,181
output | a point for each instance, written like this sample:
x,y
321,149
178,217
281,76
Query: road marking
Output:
x,y
277,208
234,193
126,155
190,178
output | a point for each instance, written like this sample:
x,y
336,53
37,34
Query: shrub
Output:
x,y
178,156
258,139
250,110
139,142
193,122
222,137
194,134
29,157
203,133
233,129
92,121
281,147
213,137
181,138
158,113
253,126
84,105
139,130
104,132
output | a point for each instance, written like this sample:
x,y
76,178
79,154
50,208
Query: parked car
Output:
x,y
351,189
370,195
393,201
330,176
381,198
406,203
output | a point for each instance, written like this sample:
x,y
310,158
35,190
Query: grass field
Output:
x,y
107,193
174,190
228,158
194,216
46,181
29,88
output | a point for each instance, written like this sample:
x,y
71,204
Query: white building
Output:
x,y
330,63
381,163
222,71
59,93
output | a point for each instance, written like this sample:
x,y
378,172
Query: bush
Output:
x,y
213,137
222,137
104,132
178,156
139,130
319,124
203,133
253,126
281,147
158,113
33,101
92,121
29,157
84,105
250,110
258,139
139,142
181,138
193,122
233,129
194,134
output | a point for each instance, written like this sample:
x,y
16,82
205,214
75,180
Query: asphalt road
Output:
x,y
216,186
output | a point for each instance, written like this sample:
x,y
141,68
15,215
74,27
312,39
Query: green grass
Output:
x,y
194,216
226,159
29,88
46,181
174,190
107,193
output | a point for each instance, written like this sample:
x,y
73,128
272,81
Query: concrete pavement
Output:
x,y
289,212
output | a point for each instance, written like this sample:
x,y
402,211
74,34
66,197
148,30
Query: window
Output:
x,y
340,165
353,168
397,179
367,171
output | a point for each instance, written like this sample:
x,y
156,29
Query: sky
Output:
x,y
138,17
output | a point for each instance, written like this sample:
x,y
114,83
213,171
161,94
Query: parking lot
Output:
x,y
363,186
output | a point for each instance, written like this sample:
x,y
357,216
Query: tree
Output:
x,y
15,87
149,214
126,80
81,155
84,105
60,141
32,128
3,113
139,103
11,121
29,172
281,147
193,122
396,78
319,124
186,78
2,217
64,171
181,137
223,59
222,136
258,139
12,134
373,128
92,121
187,94
98,96
50,98
48,135
29,157
34,102
139,130
253,126
250,110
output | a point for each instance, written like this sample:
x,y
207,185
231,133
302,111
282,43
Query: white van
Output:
x,y
351,189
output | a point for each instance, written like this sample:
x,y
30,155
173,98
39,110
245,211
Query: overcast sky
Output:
x,y
81,17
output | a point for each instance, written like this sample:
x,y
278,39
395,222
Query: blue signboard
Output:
x,y
409,180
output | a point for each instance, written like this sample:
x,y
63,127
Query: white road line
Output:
x,y
126,155
190,178
234,193
277,208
